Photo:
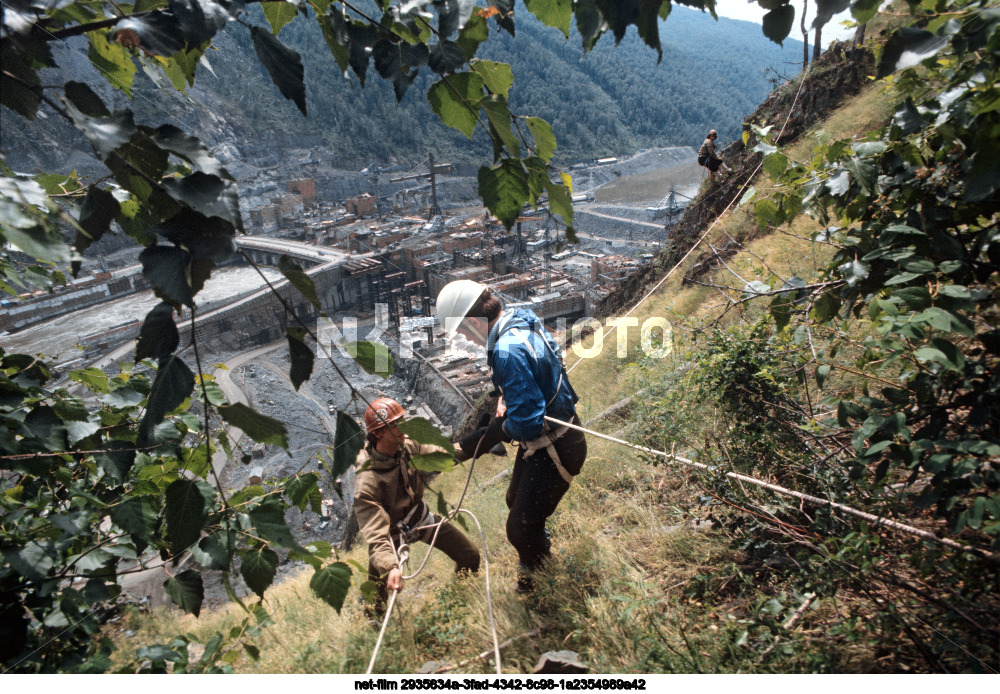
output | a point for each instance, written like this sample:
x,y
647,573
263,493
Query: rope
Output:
x,y
871,518
385,622
604,335
403,557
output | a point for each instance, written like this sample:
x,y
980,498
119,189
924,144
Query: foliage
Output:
x,y
101,481
914,215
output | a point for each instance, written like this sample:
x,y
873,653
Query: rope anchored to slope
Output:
x,y
877,521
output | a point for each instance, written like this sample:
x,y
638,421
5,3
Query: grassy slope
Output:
x,y
625,546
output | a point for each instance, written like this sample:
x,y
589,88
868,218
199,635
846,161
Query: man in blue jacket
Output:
x,y
526,367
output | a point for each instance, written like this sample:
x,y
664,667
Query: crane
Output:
x,y
431,175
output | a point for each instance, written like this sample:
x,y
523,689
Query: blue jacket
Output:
x,y
526,366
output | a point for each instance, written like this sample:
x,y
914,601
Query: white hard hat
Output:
x,y
454,301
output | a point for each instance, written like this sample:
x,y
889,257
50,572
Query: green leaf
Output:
x,y
983,178
335,35
33,561
865,10
778,23
186,590
95,379
85,100
373,357
545,139
361,41
775,165
863,172
504,189
299,279
647,24
115,459
945,321
822,371
456,100
268,520
57,184
96,214
560,198
422,431
331,584
499,117
173,385
767,214
497,77
909,42
278,14
433,462
472,34
105,133
137,516
158,337
258,567
16,91
283,65
182,66
189,148
166,269
260,428
303,490
112,60
208,195
349,439
780,310
445,57
301,357
185,514
215,550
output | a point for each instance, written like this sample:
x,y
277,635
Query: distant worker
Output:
x,y
526,367
389,502
707,157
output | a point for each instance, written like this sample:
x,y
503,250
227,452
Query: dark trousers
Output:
x,y
451,541
536,487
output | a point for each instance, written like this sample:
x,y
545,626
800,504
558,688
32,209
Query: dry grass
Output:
x,y
623,552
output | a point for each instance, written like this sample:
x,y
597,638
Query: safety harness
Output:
x,y
549,436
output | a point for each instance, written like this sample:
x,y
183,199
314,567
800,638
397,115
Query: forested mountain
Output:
x,y
612,100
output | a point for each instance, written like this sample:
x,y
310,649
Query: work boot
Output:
x,y
525,582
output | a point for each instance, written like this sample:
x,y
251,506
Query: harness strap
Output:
x,y
547,441
418,516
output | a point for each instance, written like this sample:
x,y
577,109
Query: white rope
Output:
x,y
489,598
403,557
871,518
385,622
605,335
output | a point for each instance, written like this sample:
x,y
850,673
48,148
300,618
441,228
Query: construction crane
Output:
x,y
373,171
431,175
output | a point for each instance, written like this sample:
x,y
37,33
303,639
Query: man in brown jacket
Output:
x,y
389,505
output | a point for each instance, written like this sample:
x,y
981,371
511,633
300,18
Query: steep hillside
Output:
x,y
665,566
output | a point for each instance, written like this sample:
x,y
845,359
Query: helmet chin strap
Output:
x,y
468,325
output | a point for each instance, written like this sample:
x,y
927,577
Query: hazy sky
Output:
x,y
752,12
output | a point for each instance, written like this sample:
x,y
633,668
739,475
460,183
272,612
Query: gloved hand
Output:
x,y
485,438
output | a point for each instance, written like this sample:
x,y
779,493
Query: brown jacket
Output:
x,y
385,494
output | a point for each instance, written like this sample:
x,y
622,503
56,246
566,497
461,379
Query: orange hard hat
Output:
x,y
381,412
